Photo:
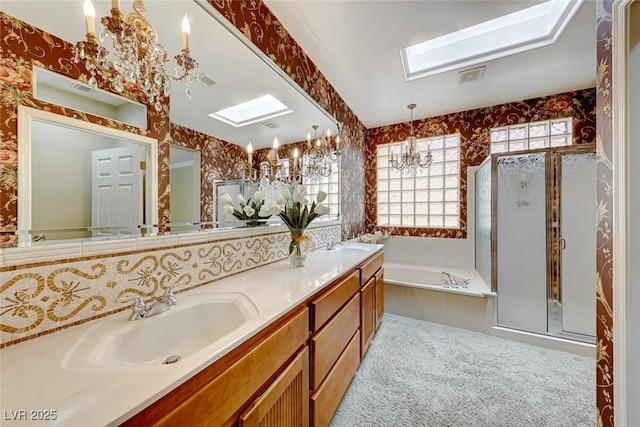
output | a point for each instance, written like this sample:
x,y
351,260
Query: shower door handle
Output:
x,y
562,244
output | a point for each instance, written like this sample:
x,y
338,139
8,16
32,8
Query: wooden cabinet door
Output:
x,y
286,401
379,296
367,314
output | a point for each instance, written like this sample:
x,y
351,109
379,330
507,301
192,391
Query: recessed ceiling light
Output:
x,y
524,30
253,111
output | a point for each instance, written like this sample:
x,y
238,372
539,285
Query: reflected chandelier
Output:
x,y
138,56
319,155
271,171
410,158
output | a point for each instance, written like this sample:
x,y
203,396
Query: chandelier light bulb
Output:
x,y
115,4
89,15
295,153
88,9
250,151
186,30
275,143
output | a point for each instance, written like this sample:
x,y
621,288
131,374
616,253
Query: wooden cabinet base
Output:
x,y
286,401
326,399
217,398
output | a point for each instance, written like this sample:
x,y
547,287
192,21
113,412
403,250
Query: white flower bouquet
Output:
x,y
251,211
297,214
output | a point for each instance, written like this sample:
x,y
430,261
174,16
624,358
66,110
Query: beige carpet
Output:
x,y
418,373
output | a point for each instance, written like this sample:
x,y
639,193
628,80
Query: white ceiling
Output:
x,y
356,45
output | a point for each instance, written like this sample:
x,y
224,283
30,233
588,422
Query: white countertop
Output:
x,y
34,376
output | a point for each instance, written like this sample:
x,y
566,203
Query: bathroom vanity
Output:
x,y
291,358
293,372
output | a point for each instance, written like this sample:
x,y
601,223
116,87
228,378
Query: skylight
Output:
x,y
521,31
253,111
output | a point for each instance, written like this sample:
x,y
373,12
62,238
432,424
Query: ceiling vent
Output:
x,y
206,80
82,88
470,75
270,124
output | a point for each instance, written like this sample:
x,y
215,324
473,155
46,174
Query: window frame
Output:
x,y
524,143
436,205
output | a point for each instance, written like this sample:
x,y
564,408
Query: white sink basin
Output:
x,y
198,321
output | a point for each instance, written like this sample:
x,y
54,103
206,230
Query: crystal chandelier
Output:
x,y
409,158
319,155
138,57
271,171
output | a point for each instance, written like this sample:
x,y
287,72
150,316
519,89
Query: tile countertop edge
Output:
x,y
80,397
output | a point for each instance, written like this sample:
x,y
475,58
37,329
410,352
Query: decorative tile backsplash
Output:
x,y
44,297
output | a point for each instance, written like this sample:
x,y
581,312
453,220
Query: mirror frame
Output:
x,y
26,116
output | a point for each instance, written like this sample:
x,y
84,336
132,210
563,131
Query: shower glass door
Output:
x,y
544,209
576,244
522,241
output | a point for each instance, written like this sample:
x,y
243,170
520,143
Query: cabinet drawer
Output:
x,y
324,307
327,344
325,401
370,268
219,401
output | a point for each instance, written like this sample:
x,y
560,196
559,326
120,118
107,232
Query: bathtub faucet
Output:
x,y
451,281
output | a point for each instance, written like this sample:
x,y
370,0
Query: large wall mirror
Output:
x,y
232,70
78,179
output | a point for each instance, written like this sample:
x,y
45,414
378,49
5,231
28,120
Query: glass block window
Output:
x,y
329,184
531,136
431,199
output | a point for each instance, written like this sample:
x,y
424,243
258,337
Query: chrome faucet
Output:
x,y
140,310
163,303
452,280
332,245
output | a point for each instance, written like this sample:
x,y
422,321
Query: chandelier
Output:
x,y
410,158
271,171
319,155
137,57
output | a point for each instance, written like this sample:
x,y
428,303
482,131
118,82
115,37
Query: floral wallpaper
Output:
x,y
263,29
473,127
23,46
604,256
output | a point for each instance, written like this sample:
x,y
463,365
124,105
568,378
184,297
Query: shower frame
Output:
x,y
554,241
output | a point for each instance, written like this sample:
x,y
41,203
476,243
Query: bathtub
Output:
x,y
418,291
427,277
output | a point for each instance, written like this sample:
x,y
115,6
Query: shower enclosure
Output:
x,y
542,206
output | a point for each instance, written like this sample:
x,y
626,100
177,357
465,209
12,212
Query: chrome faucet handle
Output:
x,y
332,245
169,295
165,301
138,307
